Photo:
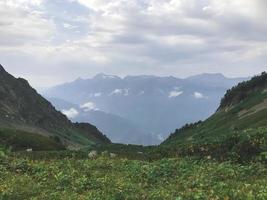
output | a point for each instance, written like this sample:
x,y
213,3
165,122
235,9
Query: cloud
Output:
x,y
98,94
198,95
68,26
124,92
116,91
159,37
89,106
175,93
21,23
71,113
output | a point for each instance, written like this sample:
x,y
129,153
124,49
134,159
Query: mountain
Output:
x,y
118,129
155,105
238,128
24,110
214,80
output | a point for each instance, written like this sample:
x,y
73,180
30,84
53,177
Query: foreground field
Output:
x,y
105,178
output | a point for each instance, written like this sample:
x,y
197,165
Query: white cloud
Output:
x,y
199,95
175,93
71,113
116,91
159,37
89,106
124,92
98,5
20,24
25,4
68,26
98,94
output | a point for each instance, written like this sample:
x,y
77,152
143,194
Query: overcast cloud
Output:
x,y
53,41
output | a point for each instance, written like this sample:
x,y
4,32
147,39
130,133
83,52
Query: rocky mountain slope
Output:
x,y
22,108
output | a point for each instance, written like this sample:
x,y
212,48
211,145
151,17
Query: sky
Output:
x,y
54,41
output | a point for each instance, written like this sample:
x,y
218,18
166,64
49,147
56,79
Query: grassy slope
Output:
x,y
224,123
235,129
19,140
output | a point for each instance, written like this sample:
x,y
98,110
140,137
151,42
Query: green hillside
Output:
x,y
23,109
17,140
238,128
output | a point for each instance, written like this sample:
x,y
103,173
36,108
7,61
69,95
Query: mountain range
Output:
x,y
236,131
140,109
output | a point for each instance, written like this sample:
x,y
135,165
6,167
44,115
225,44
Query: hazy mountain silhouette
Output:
x,y
156,105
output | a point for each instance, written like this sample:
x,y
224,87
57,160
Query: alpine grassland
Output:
x,y
74,177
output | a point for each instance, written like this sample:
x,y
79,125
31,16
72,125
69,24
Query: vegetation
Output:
x,y
243,90
238,132
106,178
17,140
224,157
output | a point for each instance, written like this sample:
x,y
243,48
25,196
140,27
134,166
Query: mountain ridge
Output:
x,y
22,108
143,100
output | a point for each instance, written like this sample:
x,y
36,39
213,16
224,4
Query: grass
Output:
x,y
105,178
225,122
20,140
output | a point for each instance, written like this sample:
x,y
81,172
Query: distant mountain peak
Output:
x,y
141,76
105,76
208,75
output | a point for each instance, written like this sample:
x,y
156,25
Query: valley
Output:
x,y
222,157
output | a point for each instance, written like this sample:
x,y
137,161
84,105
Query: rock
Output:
x,y
92,155
113,155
